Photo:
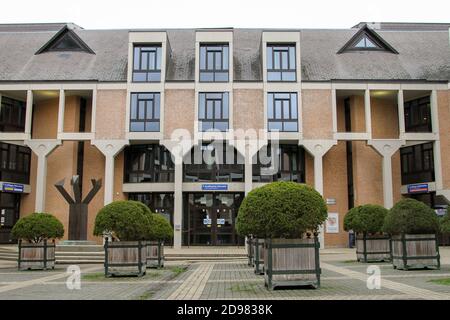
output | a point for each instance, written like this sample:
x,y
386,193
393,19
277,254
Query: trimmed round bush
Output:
x,y
160,228
37,227
281,210
410,216
127,220
368,218
445,222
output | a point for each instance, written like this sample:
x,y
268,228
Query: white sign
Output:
x,y
207,221
220,221
332,224
331,201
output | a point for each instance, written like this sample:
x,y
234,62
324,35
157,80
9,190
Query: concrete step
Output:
x,y
79,254
79,248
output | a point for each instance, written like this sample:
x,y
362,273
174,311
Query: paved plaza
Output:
x,y
342,278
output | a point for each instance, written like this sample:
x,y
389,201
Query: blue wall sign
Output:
x,y
215,187
418,188
13,187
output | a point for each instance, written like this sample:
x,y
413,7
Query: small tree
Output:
x,y
281,210
366,219
37,227
409,216
160,229
127,220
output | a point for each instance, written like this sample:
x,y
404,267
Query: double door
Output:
x,y
9,214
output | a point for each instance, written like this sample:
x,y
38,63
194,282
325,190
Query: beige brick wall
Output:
x,y
248,108
317,114
443,99
179,111
110,114
384,116
45,119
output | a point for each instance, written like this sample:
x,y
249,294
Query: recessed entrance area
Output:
x,y
210,218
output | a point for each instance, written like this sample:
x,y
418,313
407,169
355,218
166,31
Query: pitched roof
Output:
x,y
422,55
375,38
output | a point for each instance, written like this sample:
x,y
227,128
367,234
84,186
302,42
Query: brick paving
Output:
x,y
342,279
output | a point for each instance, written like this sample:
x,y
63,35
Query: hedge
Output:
x,y
281,210
160,228
127,220
411,217
368,218
445,222
37,227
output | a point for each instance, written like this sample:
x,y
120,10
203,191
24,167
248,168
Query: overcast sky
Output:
x,y
112,14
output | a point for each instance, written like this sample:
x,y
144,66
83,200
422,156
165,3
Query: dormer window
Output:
x,y
281,62
65,40
147,63
214,61
367,39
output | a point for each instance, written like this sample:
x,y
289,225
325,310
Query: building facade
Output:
x,y
190,120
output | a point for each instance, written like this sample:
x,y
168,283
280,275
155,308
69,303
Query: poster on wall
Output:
x,y
332,224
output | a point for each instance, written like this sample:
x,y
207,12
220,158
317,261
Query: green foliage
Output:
x,y
367,218
37,227
411,216
159,228
445,222
281,210
127,220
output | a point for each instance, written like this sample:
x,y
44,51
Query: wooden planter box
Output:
x,y
415,251
155,254
125,258
258,255
371,248
292,262
250,250
36,256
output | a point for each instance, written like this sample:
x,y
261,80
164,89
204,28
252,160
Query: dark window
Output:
x,y
282,112
214,162
144,115
281,62
14,163
213,111
418,115
282,163
12,115
214,63
161,203
417,163
147,63
148,163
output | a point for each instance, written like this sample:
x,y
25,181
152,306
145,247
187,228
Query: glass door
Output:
x,y
9,214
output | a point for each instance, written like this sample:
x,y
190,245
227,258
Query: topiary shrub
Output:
x,y
281,210
368,218
160,229
445,222
127,220
409,216
37,227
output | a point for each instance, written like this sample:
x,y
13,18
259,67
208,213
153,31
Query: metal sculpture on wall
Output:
x,y
78,208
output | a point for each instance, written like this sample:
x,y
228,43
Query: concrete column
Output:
x,y
401,113
42,149
387,148
29,113
61,107
318,148
109,148
367,113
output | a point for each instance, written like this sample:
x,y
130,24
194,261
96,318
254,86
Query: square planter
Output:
x,y
155,254
250,250
415,251
125,258
371,248
292,262
36,256
258,255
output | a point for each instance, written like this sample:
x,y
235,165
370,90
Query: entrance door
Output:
x,y
210,219
9,214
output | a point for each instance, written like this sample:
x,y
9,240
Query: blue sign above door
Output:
x,y
215,187
12,187
418,188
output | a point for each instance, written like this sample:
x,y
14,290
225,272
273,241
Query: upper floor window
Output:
x,y
281,64
213,111
12,115
148,163
144,115
14,163
147,63
282,112
417,163
418,115
214,61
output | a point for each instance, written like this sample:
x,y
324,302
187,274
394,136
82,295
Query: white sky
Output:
x,y
96,14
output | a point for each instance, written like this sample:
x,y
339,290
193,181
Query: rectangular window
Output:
x,y
418,115
417,163
214,62
282,112
144,112
12,115
281,65
213,111
14,163
147,63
